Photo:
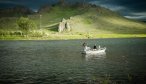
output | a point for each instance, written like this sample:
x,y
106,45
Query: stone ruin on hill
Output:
x,y
64,25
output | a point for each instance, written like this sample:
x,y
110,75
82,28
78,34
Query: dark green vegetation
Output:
x,y
87,21
26,25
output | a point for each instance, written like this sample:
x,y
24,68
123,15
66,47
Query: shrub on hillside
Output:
x,y
26,25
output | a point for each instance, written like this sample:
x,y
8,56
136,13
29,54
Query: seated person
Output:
x,y
94,47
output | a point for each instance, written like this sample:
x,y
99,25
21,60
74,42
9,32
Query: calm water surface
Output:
x,y
61,62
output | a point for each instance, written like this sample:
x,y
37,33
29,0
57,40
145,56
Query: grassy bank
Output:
x,y
69,36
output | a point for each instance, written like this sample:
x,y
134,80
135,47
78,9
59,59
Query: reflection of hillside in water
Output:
x,y
95,56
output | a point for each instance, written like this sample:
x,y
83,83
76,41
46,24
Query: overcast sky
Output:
x,y
135,9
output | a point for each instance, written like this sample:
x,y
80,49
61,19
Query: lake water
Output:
x,y
61,62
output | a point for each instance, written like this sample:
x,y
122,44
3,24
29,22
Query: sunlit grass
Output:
x,y
58,36
124,22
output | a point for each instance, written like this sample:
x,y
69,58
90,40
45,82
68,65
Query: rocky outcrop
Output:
x,y
61,27
68,26
64,25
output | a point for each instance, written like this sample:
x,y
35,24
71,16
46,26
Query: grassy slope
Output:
x,y
85,23
91,20
106,22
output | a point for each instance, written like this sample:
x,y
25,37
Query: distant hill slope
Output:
x,y
15,11
93,19
83,19
101,20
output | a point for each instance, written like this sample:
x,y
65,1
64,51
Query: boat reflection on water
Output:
x,y
95,56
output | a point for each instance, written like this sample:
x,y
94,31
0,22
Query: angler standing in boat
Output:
x,y
86,48
84,44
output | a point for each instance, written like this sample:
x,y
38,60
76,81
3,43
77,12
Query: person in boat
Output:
x,y
95,47
86,48
84,44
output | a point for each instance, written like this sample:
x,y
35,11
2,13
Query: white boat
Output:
x,y
88,50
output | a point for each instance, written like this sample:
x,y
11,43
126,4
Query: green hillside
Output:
x,y
85,22
97,20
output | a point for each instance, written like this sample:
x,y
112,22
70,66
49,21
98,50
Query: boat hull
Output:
x,y
94,51
98,51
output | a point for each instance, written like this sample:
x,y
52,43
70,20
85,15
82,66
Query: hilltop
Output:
x,y
86,21
16,11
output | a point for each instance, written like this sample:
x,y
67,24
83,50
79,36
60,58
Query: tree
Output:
x,y
25,24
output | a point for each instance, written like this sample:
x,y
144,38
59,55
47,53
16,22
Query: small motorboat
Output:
x,y
99,50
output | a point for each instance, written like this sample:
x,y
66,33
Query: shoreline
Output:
x,y
72,37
